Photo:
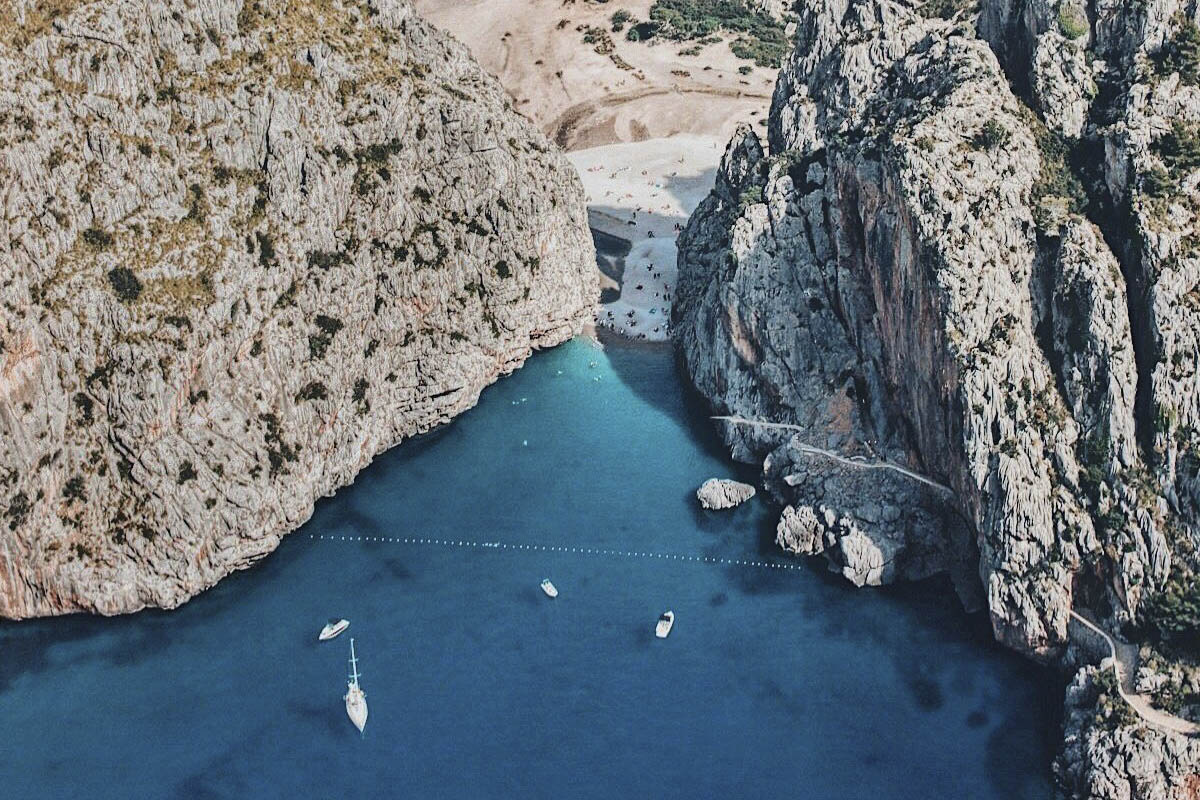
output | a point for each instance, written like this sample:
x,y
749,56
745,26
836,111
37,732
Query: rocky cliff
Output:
x,y
968,253
245,247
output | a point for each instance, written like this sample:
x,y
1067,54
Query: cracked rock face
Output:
x,y
968,250
1106,758
247,248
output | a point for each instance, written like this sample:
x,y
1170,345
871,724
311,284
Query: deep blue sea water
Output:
x,y
774,683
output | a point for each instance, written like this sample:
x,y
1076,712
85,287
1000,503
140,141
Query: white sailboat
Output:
x,y
356,700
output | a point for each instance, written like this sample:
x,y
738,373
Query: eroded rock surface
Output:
x,y
246,247
722,493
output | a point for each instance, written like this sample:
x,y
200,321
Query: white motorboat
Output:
x,y
548,588
356,700
332,629
664,624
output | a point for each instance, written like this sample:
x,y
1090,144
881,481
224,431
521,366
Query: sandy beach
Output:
x,y
583,98
644,123
643,193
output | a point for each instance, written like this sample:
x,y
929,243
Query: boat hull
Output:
x,y
356,708
332,631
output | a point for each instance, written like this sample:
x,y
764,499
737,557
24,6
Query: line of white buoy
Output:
x,y
551,548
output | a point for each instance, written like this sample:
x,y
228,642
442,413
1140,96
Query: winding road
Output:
x,y
1124,666
853,461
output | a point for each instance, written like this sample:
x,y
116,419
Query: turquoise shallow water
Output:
x,y
782,683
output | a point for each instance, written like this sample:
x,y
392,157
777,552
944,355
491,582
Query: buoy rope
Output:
x,y
551,548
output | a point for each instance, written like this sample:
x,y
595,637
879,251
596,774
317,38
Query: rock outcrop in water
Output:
x,y
969,251
722,493
248,246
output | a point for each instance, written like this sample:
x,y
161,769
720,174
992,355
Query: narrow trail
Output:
x,y
1124,656
853,462
474,544
570,120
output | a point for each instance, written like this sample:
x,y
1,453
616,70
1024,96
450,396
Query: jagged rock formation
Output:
x,y
722,493
1107,756
971,250
248,246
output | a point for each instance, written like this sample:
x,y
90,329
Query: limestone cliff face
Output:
x,y
967,251
246,247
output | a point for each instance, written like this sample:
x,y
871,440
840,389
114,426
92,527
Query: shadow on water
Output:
x,y
131,639
649,370
908,620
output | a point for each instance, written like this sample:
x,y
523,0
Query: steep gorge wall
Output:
x,y
979,269
247,247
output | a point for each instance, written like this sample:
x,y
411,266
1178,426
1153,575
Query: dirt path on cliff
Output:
x,y
854,461
1124,667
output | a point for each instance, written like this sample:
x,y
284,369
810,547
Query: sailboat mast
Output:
x,y
353,664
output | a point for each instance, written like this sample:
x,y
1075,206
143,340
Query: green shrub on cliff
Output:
x,y
1072,21
992,135
1179,148
945,9
1181,53
1173,615
125,284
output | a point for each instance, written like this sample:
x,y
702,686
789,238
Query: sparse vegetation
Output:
x,y
1072,21
360,395
751,196
327,328
1179,148
1113,711
945,9
314,390
187,472
125,284
279,452
73,490
1057,178
992,136
84,404
759,37
1172,616
1157,182
1181,53
266,248
326,260
96,238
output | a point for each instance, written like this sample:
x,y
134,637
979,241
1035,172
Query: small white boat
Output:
x,y
332,629
664,624
548,588
356,699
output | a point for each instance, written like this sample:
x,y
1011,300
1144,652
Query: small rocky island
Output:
x,y
966,257
242,261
